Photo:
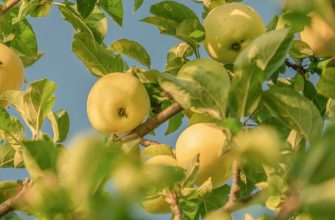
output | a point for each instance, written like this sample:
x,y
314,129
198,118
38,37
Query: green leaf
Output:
x,y
34,8
133,50
60,123
43,153
114,8
174,123
95,24
295,110
295,20
202,91
156,149
96,57
85,7
137,4
34,104
8,189
214,200
177,57
300,50
164,25
326,83
267,52
7,154
173,11
11,129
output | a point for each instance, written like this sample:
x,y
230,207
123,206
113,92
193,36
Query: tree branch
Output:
x,y
299,68
235,188
172,199
9,205
147,142
291,203
7,6
153,123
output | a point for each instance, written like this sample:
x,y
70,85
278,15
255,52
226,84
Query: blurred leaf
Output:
x,y
200,118
300,50
192,171
60,123
133,50
233,125
295,20
114,8
85,7
8,189
156,149
7,154
174,123
326,83
34,104
96,57
95,24
295,110
137,4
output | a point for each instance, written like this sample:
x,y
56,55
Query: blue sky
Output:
x,y
60,65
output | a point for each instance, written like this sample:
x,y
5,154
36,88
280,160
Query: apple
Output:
x,y
209,142
117,102
11,71
158,205
229,29
319,36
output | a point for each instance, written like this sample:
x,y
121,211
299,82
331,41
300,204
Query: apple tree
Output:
x,y
258,101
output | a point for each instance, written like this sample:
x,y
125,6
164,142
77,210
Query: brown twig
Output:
x,y
153,123
7,6
146,142
299,68
9,205
235,187
172,199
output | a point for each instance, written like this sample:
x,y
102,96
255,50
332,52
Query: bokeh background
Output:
x,y
60,65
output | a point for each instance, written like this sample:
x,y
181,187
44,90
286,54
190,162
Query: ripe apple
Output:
x,y
229,29
11,71
208,141
118,102
319,36
158,205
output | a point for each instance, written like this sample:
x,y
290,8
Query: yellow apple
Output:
x,y
118,102
11,71
158,205
319,36
229,29
209,142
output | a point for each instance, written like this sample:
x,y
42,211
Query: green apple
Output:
x,y
209,142
118,102
229,29
11,71
320,36
158,204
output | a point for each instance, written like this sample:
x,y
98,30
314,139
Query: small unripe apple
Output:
x,y
229,29
209,142
320,36
117,103
11,71
158,205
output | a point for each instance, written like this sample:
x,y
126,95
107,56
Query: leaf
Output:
x,y
266,52
300,49
42,153
96,57
295,20
295,110
34,104
8,189
60,123
177,57
156,149
95,24
326,84
25,40
203,91
85,7
11,129
7,154
133,50
173,11
34,8
137,4
174,123
114,8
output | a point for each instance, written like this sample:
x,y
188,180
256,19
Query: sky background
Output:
x,y
73,80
